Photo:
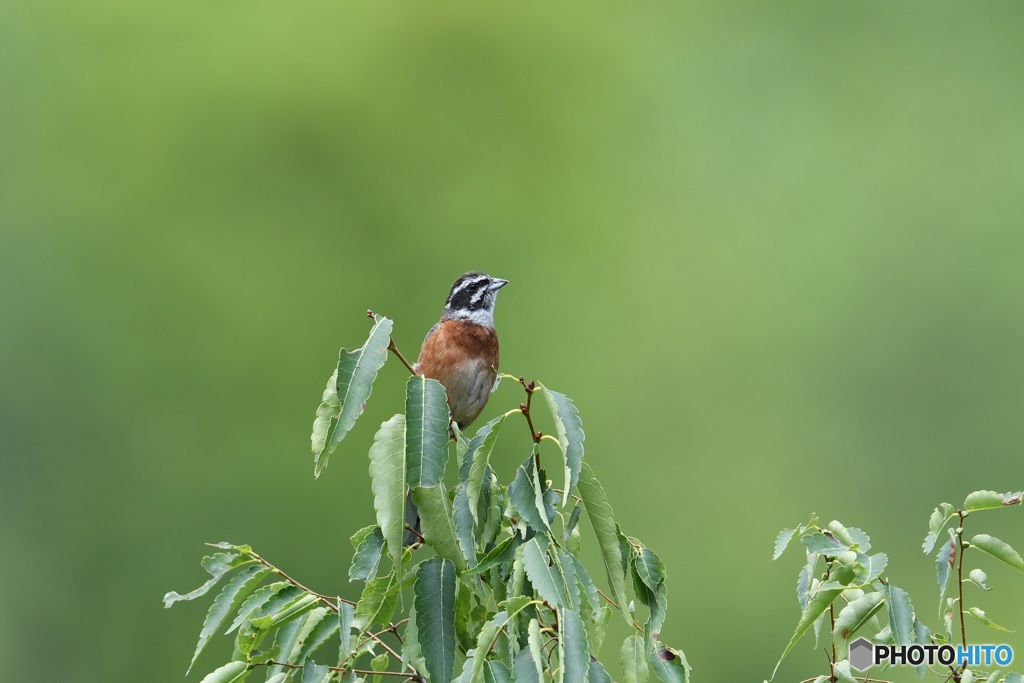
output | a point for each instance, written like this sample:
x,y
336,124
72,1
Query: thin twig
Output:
x,y
394,349
616,606
286,665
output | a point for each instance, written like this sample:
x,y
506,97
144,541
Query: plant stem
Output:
x,y
960,574
616,606
394,349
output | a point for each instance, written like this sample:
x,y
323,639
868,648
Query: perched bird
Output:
x,y
461,352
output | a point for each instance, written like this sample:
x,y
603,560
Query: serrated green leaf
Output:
x,y
252,632
979,614
816,606
489,634
217,566
426,434
227,601
823,543
387,480
278,678
500,554
412,653
573,649
463,520
353,382
782,542
367,556
256,601
435,593
284,642
346,617
942,566
293,609
939,518
649,568
901,614
853,617
496,672
479,453
670,665
633,656
377,602
315,673
437,524
527,493
322,630
546,579
529,662
599,511
232,672
999,550
569,428
870,567
597,673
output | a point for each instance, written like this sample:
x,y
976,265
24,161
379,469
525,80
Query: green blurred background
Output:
x,y
773,250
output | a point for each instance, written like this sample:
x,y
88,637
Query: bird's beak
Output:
x,y
496,284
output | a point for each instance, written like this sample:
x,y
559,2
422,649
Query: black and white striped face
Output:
x,y
472,298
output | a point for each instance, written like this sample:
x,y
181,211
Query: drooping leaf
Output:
x,y
347,392
316,633
816,606
853,617
435,593
528,666
596,673
259,623
412,653
463,520
529,495
426,434
300,605
496,672
940,516
367,556
870,567
346,617
634,660
479,452
387,480
546,579
500,554
379,663
315,673
569,429
232,672
670,665
437,524
489,634
226,602
217,566
943,563
377,602
901,614
999,550
979,614
649,568
573,649
595,500
255,601
284,643
782,541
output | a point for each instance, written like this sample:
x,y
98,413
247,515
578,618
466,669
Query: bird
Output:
x,y
461,352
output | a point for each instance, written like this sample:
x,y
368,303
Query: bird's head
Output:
x,y
472,298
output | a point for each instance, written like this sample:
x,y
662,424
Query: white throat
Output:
x,y
480,316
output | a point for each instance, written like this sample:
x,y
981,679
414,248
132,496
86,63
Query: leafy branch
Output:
x,y
499,590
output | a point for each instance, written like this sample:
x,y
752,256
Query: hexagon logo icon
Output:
x,y
862,654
